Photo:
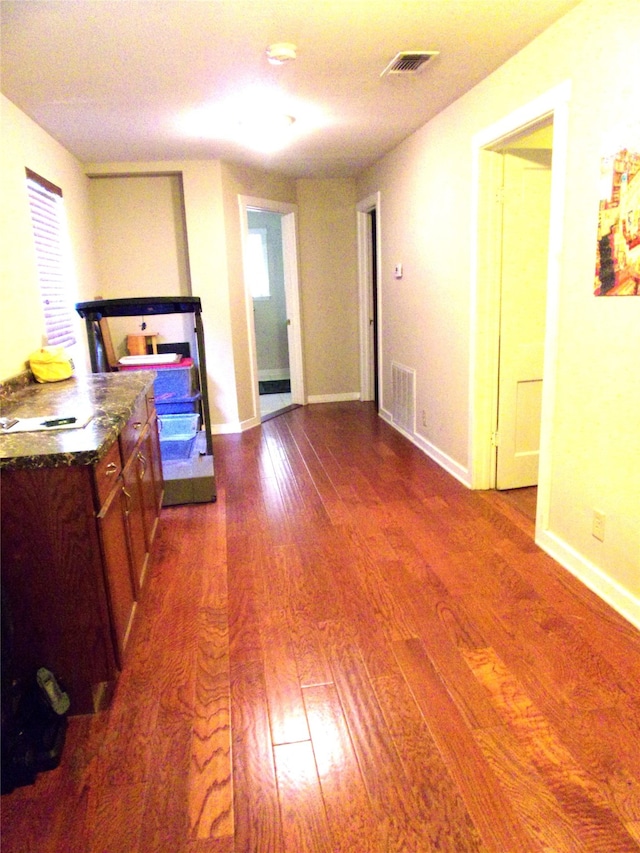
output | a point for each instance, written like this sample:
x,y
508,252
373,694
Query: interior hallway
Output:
x,y
350,651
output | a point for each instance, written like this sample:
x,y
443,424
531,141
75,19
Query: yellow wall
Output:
x,y
427,221
141,248
328,271
25,145
205,232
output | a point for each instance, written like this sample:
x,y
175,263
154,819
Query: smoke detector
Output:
x,y
409,62
281,52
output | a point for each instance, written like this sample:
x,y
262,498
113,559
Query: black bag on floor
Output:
x,y
33,735
34,721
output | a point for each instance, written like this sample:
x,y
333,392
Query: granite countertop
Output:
x,y
107,398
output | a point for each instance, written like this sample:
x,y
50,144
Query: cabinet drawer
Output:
x,y
107,471
130,435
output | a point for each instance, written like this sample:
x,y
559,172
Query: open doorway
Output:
x,y
493,147
524,199
270,257
265,270
368,213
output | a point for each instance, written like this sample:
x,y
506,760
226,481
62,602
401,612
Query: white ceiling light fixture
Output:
x,y
281,52
265,131
409,62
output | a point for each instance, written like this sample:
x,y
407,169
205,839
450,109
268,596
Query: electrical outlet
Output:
x,y
597,526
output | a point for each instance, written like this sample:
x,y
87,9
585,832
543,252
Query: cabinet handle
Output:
x,y
128,497
143,463
137,425
110,469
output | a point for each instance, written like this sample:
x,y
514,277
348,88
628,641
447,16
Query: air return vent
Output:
x,y
403,389
409,62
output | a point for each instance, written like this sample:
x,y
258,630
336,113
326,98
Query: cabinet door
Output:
x,y
156,461
144,457
113,535
135,519
54,580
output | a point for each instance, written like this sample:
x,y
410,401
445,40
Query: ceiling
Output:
x,y
150,80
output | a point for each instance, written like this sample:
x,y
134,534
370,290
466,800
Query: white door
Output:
x,y
525,238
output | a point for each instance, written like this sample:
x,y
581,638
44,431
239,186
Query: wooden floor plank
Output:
x,y
304,822
584,802
489,807
535,804
447,820
395,803
350,815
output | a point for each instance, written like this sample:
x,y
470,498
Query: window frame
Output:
x,y
261,294
51,246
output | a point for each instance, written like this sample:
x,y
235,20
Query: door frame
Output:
x,y
289,213
485,289
365,276
505,448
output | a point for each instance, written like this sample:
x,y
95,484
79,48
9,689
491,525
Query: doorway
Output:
x,y
273,316
370,319
524,199
550,108
265,267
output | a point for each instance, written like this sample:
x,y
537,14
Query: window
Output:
x,y
258,263
51,245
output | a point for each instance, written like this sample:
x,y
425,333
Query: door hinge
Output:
x,y
494,439
500,195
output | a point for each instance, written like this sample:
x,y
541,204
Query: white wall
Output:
x,y
141,249
426,223
25,145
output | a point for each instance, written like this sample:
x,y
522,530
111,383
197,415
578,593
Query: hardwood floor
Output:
x,y
350,651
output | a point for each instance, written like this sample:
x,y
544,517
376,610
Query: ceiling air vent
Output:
x,y
409,62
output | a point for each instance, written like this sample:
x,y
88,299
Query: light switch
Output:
x,y
398,271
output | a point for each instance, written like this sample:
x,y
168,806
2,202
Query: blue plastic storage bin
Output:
x,y
177,405
178,434
174,382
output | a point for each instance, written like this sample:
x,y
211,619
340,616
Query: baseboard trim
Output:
x,y
605,587
235,427
349,397
443,460
274,375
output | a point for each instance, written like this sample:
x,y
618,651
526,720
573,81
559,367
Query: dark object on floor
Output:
x,y
275,386
33,735
34,722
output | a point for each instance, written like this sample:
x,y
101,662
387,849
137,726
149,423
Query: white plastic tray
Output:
x,y
159,358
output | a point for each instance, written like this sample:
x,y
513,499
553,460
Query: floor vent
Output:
x,y
403,384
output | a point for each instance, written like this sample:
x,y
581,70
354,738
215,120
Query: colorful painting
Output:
x,y
618,250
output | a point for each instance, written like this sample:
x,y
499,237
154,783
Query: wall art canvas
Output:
x,y
618,249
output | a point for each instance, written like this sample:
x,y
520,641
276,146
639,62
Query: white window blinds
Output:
x,y
50,238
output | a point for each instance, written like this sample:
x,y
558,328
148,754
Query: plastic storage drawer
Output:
x,y
178,434
174,382
177,405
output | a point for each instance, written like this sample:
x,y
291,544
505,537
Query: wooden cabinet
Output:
x,y
75,546
119,583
